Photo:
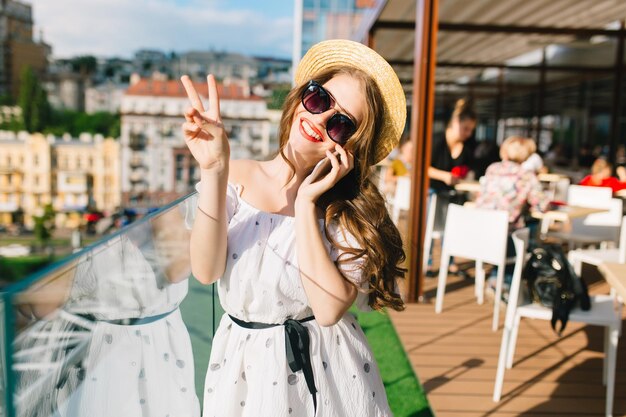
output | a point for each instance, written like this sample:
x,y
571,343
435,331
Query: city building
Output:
x,y
318,20
66,90
105,97
197,64
156,164
73,174
148,61
18,48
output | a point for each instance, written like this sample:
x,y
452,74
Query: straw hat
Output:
x,y
340,52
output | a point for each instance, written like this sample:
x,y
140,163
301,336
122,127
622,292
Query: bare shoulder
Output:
x,y
241,171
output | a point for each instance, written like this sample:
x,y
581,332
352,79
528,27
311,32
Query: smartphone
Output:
x,y
323,167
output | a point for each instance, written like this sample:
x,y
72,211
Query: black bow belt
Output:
x,y
296,346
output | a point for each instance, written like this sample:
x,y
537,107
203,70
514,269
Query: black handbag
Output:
x,y
552,282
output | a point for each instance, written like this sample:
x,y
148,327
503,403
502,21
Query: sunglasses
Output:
x,y
316,100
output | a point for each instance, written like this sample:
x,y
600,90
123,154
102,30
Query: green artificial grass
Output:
x,y
15,269
404,392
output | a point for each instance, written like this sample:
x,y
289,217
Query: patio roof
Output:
x,y
484,33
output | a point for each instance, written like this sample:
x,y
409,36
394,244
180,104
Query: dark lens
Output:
x,y
340,128
315,99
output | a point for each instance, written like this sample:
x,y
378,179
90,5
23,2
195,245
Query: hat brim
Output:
x,y
345,53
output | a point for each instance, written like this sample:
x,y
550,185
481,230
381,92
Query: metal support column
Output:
x,y
616,108
541,95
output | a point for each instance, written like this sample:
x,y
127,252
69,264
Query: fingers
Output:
x,y
194,98
191,130
334,162
347,159
193,115
214,99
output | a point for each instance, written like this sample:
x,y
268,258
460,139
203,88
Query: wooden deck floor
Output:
x,y
455,354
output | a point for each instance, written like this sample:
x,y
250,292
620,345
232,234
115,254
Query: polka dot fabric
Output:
x,y
248,373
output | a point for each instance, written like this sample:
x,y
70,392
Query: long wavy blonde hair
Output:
x,y
355,202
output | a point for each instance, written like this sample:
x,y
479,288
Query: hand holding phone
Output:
x,y
323,167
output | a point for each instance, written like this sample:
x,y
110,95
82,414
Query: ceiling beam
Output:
x,y
484,65
512,29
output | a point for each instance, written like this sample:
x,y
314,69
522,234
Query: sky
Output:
x,y
121,27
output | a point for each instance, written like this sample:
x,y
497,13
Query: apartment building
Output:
x,y
18,47
156,166
73,174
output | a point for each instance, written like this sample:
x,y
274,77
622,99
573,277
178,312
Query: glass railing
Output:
x,y
116,329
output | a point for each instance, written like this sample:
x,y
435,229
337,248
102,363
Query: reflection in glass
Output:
x,y
103,335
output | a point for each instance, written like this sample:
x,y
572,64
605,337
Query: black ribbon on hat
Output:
x,y
297,349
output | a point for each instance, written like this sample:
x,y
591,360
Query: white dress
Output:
x,y
248,373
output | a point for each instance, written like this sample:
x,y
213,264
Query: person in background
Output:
x,y
508,186
451,158
601,176
400,166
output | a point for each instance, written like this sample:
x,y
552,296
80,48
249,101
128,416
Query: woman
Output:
x,y
601,176
451,157
293,250
450,160
509,186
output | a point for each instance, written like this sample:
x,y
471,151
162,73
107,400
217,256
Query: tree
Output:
x,y
277,98
33,100
44,224
84,65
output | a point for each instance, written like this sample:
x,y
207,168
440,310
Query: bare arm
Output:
x,y
207,141
329,293
441,175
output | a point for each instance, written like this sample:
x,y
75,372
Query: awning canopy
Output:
x,y
484,33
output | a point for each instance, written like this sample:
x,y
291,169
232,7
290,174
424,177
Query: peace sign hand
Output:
x,y
204,132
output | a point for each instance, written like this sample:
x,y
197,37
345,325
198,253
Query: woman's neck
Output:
x,y
279,171
451,139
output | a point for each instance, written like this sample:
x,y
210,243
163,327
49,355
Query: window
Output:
x,y
36,160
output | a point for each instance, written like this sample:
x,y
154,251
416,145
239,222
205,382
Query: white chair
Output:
x,y
402,198
480,235
605,311
597,256
597,228
586,196
430,233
